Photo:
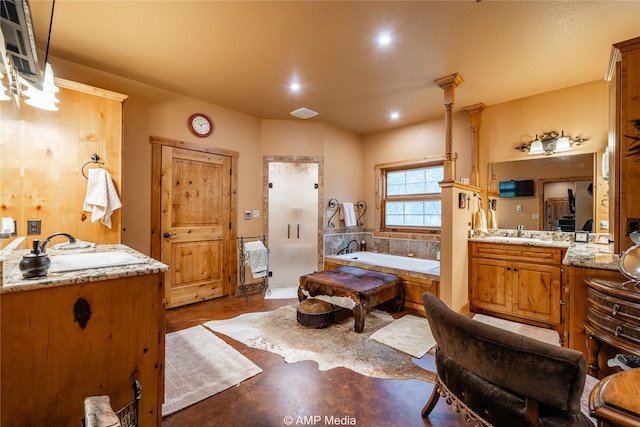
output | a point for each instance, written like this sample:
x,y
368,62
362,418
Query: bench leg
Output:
x,y
398,302
431,403
359,314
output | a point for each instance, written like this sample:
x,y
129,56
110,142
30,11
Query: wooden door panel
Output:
x,y
195,199
491,288
538,292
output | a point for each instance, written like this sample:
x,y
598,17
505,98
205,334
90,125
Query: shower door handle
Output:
x,y
298,231
288,231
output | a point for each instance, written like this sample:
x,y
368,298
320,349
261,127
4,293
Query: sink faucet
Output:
x,y
520,230
43,245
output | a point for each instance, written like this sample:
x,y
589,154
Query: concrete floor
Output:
x,y
299,394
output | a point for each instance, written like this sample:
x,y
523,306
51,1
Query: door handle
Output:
x,y
288,231
167,235
298,231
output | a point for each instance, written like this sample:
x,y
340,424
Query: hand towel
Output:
x,y
256,257
348,214
480,222
493,219
101,198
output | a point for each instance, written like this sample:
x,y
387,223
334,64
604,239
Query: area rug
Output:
x,y
410,334
198,365
541,334
282,293
336,346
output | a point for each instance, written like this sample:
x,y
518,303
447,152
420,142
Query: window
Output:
x,y
411,197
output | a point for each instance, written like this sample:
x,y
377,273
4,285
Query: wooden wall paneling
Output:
x,y
48,149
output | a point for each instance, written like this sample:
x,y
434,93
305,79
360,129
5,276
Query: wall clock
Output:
x,y
201,125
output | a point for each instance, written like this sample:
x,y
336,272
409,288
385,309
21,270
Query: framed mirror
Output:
x,y
568,192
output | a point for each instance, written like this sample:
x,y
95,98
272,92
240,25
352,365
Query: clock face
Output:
x,y
201,125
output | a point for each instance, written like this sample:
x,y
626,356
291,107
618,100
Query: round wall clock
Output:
x,y
201,125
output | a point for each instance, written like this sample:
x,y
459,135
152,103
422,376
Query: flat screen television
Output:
x,y
524,188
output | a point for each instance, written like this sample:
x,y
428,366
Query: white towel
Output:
x,y
493,219
480,222
256,257
102,198
348,214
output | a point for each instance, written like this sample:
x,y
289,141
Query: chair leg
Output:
x,y
431,403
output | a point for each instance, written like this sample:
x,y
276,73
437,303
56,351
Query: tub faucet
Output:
x,y
520,230
346,249
43,245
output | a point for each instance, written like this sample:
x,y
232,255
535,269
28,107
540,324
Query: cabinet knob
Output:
x,y
616,308
618,330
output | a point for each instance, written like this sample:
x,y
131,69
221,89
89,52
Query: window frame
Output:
x,y
382,198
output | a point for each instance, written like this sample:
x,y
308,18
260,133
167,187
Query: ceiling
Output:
x,y
242,55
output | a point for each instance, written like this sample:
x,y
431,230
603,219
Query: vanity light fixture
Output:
x,y
549,143
38,86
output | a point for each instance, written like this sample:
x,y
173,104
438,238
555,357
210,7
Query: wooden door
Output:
x,y
195,225
555,208
491,286
537,292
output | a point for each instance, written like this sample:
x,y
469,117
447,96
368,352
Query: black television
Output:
x,y
524,188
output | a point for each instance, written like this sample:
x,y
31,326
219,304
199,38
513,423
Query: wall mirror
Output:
x,y
566,193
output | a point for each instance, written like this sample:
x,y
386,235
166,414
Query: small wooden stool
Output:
x,y
315,313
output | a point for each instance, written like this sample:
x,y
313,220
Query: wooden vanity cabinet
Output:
x,y
520,282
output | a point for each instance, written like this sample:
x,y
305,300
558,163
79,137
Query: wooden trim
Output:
x,y
193,146
79,87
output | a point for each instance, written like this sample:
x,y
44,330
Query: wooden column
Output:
x,y
474,112
448,84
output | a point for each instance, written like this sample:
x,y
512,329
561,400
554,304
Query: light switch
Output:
x,y
247,214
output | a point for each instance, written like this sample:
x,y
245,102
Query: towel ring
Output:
x,y
94,160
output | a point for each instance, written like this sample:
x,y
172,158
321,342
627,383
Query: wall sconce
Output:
x,y
549,143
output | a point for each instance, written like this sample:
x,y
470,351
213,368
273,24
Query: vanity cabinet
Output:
x,y
63,343
521,282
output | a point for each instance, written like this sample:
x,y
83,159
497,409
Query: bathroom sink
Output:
x,y
84,261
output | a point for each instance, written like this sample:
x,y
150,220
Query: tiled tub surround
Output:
x,y
425,249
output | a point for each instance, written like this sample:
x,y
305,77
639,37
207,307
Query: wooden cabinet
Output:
x,y
521,282
613,317
52,359
624,133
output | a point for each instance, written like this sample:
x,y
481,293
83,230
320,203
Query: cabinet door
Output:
x,y
536,292
491,285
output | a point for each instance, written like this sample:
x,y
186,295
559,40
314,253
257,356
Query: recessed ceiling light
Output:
x,y
384,39
303,113
394,115
294,86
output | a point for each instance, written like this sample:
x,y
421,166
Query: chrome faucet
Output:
x,y
520,230
43,245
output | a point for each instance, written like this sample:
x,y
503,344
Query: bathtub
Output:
x,y
419,275
392,261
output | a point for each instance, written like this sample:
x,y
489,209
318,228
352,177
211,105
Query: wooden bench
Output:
x,y
364,287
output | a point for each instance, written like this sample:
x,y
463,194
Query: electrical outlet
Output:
x,y
34,227
256,214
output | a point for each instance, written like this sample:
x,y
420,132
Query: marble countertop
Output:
x,y
590,255
14,282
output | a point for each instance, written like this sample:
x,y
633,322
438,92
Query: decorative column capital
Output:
x,y
448,84
474,112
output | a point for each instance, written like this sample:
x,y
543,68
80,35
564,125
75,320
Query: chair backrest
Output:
x,y
549,374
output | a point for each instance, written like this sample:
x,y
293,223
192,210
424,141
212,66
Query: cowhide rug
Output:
x,y
336,346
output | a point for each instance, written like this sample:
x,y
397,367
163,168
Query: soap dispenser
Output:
x,y
36,263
